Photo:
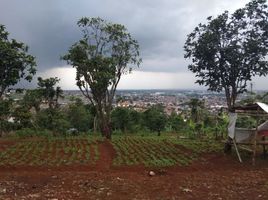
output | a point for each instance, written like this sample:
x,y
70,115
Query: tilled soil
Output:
x,y
215,176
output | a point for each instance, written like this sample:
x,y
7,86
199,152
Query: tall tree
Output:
x,y
15,62
100,59
229,50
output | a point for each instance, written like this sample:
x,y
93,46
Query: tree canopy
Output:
x,y
15,62
230,49
48,91
101,57
155,118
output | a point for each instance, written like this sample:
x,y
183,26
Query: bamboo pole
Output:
x,y
255,140
237,152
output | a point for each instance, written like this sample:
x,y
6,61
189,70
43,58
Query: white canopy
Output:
x,y
263,106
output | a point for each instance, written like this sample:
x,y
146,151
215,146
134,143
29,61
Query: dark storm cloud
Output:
x,y
160,26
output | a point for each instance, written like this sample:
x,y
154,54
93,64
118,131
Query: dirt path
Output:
x,y
107,153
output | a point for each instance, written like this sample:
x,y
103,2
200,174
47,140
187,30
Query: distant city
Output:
x,y
140,100
172,100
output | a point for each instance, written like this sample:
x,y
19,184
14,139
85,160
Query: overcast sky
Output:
x,y
49,28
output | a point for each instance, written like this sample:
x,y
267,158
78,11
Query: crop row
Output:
x,y
51,152
150,152
200,146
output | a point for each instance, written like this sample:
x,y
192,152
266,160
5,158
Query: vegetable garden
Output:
x,y
159,152
132,150
52,152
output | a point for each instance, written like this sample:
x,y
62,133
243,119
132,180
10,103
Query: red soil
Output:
x,y
215,176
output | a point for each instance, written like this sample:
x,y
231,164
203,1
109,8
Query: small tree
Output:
x,y
15,63
100,59
176,122
5,113
32,99
120,118
22,117
52,119
196,107
47,89
155,119
80,116
230,49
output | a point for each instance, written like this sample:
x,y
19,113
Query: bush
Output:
x,y
53,120
6,127
80,117
28,132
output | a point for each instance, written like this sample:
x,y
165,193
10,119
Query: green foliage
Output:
x,y
80,116
32,99
31,132
246,122
49,92
6,126
22,117
52,119
229,50
5,113
155,118
120,118
125,119
25,132
253,98
176,122
197,109
15,63
100,58
5,108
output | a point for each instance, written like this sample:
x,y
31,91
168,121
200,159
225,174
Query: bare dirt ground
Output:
x,y
215,176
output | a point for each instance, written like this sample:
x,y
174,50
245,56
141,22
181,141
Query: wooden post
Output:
x,y
255,139
237,152
264,147
254,146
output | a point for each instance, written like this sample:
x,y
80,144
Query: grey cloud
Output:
x,y
160,26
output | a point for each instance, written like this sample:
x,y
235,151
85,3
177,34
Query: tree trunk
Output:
x,y
105,124
95,124
158,133
106,129
230,97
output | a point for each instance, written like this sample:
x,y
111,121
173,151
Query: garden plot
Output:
x,y
159,152
51,152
